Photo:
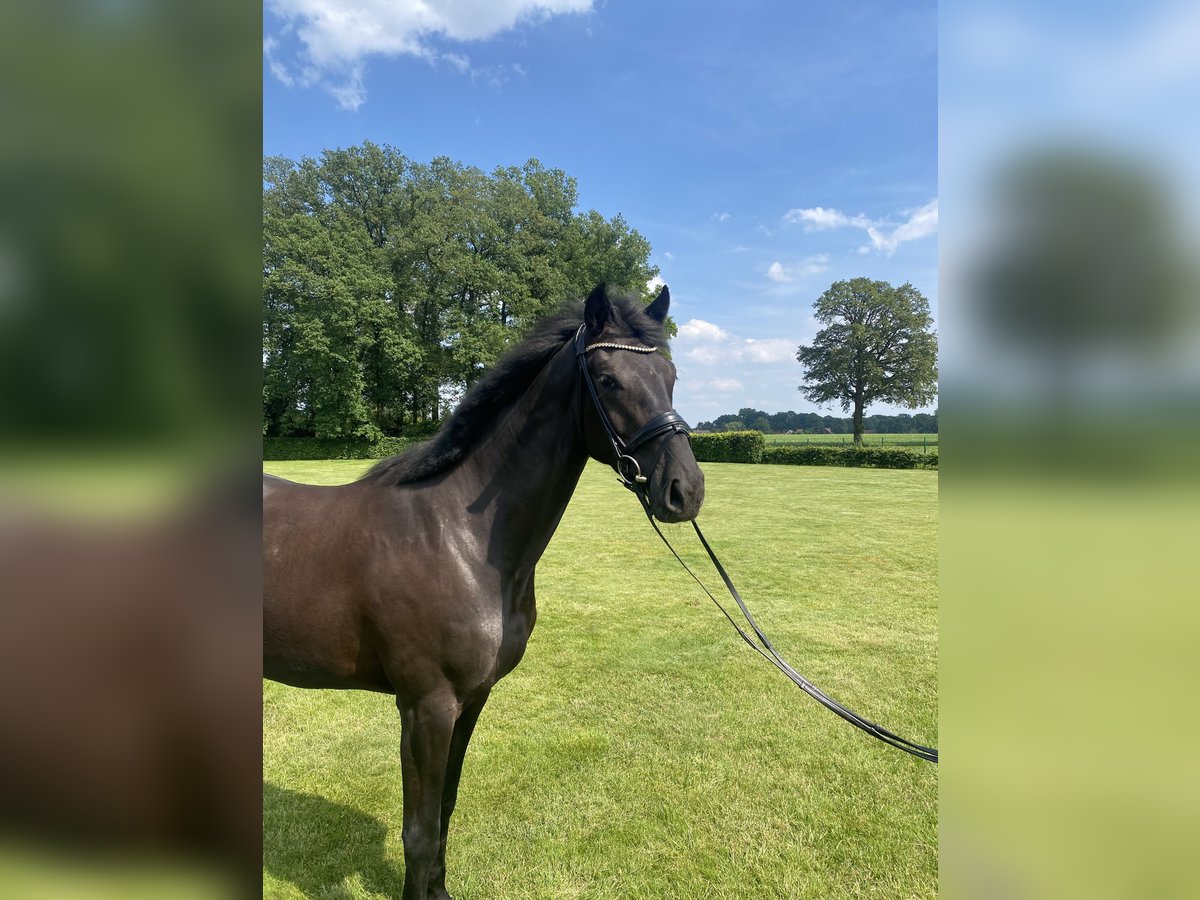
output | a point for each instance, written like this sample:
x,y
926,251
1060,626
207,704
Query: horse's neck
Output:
x,y
523,475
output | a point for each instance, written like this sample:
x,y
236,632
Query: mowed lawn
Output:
x,y
641,749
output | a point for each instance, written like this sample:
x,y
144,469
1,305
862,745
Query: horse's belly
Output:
x,y
334,657
313,634
306,674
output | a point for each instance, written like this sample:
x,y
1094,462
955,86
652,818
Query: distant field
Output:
x,y
641,750
911,441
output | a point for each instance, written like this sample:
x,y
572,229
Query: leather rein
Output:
x,y
630,473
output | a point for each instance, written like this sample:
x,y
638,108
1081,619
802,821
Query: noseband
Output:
x,y
669,422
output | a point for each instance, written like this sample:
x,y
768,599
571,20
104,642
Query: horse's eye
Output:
x,y
606,381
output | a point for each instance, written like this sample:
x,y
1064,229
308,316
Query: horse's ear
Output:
x,y
658,309
596,309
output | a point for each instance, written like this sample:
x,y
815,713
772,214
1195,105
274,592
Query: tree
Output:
x,y
389,285
876,346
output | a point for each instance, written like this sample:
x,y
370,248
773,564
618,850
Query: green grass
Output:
x,y
640,749
911,441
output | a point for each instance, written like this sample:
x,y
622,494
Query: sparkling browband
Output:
x,y
606,344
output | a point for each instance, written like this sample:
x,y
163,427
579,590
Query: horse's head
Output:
x,y
634,382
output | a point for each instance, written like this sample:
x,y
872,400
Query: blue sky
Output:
x,y
764,149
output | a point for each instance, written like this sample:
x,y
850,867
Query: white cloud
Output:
x,y
721,371
699,330
810,265
771,350
655,283
708,344
350,94
668,254
458,61
885,236
336,37
776,272
721,217
278,69
493,76
820,219
921,223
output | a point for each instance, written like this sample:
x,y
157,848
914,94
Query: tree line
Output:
x,y
748,418
390,285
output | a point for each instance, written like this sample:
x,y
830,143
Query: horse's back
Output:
x,y
271,481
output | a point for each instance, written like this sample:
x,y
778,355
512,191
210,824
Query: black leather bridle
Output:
x,y
670,422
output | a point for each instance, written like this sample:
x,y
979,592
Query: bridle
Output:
x,y
630,473
669,422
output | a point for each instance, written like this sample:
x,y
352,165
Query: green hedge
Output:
x,y
729,446
725,446
332,448
849,455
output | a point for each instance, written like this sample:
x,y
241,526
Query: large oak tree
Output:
x,y
877,346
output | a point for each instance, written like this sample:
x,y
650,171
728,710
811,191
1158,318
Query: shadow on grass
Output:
x,y
326,849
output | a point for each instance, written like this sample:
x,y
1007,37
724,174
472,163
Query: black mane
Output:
x,y
502,385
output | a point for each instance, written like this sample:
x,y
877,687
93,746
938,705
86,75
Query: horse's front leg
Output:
x,y
427,727
463,730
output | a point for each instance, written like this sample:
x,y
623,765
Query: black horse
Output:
x,y
417,580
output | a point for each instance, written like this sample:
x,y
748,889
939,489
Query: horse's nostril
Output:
x,y
675,499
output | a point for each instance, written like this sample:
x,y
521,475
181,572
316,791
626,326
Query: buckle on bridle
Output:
x,y
623,463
